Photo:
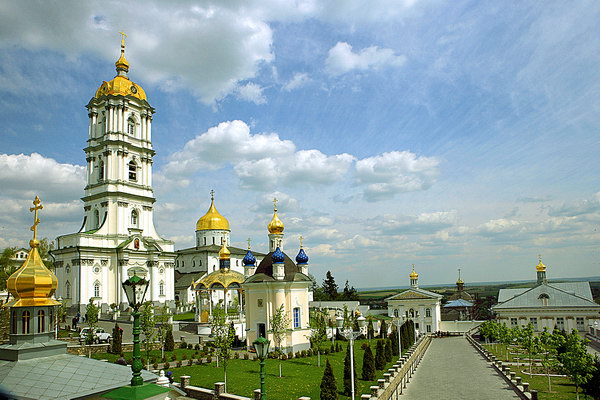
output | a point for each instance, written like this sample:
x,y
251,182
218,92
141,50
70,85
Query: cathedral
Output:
x,y
117,236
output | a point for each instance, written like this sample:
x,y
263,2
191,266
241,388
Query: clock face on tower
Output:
x,y
133,89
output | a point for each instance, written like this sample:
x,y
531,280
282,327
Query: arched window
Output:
x,y
101,170
544,298
41,322
134,218
205,241
131,127
68,290
96,289
96,219
428,312
411,312
26,318
161,288
132,171
396,313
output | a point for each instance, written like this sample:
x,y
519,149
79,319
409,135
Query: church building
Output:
x,y
117,236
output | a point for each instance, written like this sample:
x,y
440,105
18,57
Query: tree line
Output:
x,y
328,291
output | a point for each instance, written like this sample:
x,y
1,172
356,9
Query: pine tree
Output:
x,y
117,337
388,350
368,367
349,293
347,375
330,288
370,330
394,339
328,386
383,330
169,342
379,356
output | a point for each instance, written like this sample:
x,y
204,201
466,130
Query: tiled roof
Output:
x,y
63,376
459,303
415,293
571,294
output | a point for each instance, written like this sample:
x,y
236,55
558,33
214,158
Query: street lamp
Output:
x,y
398,321
135,289
349,334
261,346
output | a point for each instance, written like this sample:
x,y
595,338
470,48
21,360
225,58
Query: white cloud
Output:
x,y
357,241
341,59
25,176
251,92
588,206
395,172
297,81
424,223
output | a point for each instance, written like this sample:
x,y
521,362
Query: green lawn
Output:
x,y
301,377
562,388
186,316
153,353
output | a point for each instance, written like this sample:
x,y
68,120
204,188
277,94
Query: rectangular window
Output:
x,y
580,325
533,322
259,302
560,323
513,322
428,328
297,317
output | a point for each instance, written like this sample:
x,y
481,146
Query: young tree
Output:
x,y
117,337
318,331
279,324
379,356
548,344
169,342
383,330
592,386
330,288
328,386
148,326
528,341
388,350
348,375
578,364
161,317
368,367
91,317
222,338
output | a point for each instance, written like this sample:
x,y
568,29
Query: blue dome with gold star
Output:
x,y
302,258
278,256
249,258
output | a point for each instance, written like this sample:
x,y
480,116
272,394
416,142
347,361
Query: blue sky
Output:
x,y
445,134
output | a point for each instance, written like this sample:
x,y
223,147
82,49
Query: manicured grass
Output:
x,y
153,353
301,376
562,388
186,316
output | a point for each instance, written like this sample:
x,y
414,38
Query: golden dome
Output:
x,y
275,226
540,267
413,274
224,253
121,85
222,277
212,219
32,284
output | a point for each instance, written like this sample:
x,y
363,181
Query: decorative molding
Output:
x,y
147,208
75,262
122,204
104,203
123,261
169,265
150,264
87,208
104,263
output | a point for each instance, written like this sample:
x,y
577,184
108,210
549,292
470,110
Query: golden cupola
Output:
x,y
413,274
224,253
121,85
275,226
540,267
32,284
212,219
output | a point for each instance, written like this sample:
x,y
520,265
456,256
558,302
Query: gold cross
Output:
x,y
37,205
301,240
123,36
459,273
540,257
275,203
212,194
249,240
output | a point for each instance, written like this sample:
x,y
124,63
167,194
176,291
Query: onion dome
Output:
x,y
275,226
301,258
278,256
540,267
32,284
212,219
413,274
121,85
224,253
249,258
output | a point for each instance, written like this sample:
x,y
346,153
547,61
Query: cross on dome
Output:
x,y
37,205
301,238
249,240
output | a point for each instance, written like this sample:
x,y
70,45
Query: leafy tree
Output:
x,y
117,337
368,367
528,341
169,342
388,350
592,386
328,386
383,329
577,362
548,344
347,374
46,245
349,293
330,288
379,356
222,338
279,325
318,331
91,317
148,326
318,294
161,317
7,267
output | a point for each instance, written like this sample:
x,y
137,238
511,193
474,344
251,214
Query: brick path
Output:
x,y
452,369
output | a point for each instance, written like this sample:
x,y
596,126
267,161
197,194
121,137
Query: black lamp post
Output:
x,y
135,290
261,345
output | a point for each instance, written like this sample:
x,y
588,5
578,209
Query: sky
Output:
x,y
447,135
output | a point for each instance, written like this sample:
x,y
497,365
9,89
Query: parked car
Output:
x,y
99,335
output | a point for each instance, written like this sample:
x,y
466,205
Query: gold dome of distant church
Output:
x,y
276,225
212,219
121,84
32,284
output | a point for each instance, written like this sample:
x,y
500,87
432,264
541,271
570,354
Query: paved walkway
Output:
x,y
453,369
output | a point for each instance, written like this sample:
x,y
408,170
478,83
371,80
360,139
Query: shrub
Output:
x,y
368,367
129,360
173,356
190,346
298,354
379,356
179,363
197,347
328,386
155,365
164,359
209,359
121,361
388,350
246,356
332,349
184,356
169,342
364,346
291,354
183,345
167,365
236,355
153,360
